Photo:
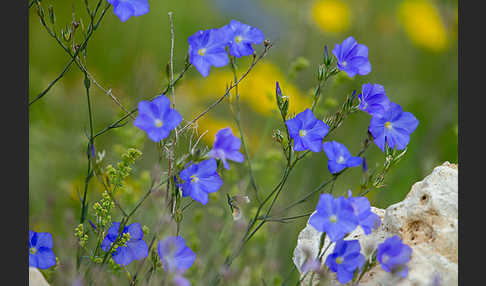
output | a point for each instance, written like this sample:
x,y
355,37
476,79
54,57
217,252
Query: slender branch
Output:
x,y
91,30
119,123
237,119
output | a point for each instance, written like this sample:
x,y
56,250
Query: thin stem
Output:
x,y
237,119
91,30
118,123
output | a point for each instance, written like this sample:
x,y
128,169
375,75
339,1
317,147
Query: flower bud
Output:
x,y
52,17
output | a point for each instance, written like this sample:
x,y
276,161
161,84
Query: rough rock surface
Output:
x,y
36,278
426,220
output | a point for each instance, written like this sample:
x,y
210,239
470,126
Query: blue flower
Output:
x,y
157,118
352,57
339,157
334,216
307,131
241,36
125,9
135,249
207,48
367,219
345,259
198,180
395,125
175,255
180,280
40,250
393,256
373,99
226,146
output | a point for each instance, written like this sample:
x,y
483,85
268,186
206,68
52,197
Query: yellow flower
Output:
x,y
257,90
331,15
423,24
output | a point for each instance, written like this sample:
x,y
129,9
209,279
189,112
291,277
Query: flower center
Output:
x,y
201,51
333,218
194,179
238,39
388,125
33,250
302,133
345,63
340,160
158,123
385,258
339,259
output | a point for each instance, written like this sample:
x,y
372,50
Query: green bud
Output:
x,y
52,17
146,230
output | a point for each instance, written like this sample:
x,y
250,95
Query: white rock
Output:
x,y
426,220
36,278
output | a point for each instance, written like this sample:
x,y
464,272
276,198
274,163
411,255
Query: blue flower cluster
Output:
x,y
389,123
208,47
308,132
338,217
175,255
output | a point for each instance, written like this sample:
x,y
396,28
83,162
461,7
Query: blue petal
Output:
x,y
171,119
162,104
318,132
318,221
210,184
407,121
219,59
45,258
325,203
44,239
201,64
156,134
123,10
138,249
185,258
334,167
33,260
122,256
299,144
206,168
293,125
307,118
198,194
353,162
135,231
240,50
344,276
235,156
140,7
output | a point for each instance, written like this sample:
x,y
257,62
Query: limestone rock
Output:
x,y
426,220
36,278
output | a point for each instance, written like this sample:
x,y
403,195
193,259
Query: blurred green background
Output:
x,y
413,53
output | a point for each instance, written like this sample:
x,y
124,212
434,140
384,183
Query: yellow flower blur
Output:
x,y
331,15
257,90
423,24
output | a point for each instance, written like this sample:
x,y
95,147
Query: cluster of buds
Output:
x,y
81,235
103,209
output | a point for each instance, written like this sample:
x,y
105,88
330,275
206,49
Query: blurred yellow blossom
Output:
x,y
331,15
257,90
423,24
